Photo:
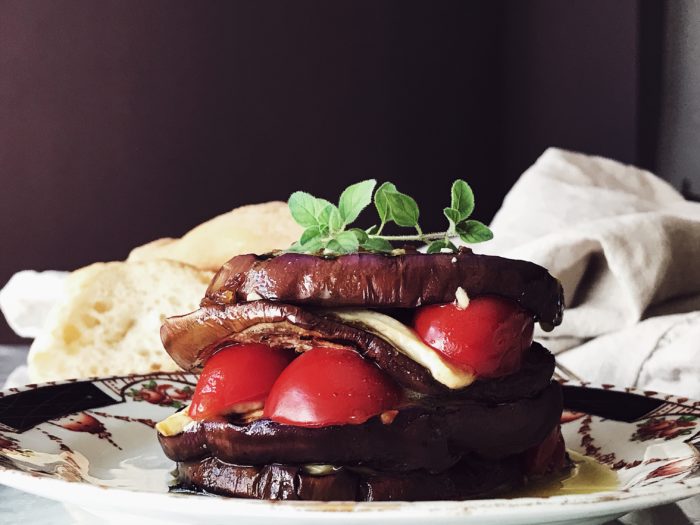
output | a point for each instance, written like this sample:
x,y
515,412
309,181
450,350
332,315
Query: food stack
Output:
x,y
368,377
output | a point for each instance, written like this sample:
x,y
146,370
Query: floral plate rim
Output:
x,y
617,501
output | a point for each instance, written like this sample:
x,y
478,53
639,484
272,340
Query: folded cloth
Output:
x,y
626,246
19,376
28,297
11,357
659,354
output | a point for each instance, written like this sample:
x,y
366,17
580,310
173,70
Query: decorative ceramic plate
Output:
x,y
91,444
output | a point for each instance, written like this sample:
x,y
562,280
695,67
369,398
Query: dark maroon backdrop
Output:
x,y
123,121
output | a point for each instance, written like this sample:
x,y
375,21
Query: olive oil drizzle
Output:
x,y
586,477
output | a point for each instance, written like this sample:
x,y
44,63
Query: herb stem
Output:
x,y
420,232
327,226
423,237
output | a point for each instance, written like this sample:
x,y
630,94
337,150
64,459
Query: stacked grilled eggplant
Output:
x,y
451,432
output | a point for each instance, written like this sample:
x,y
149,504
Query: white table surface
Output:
x,y
19,508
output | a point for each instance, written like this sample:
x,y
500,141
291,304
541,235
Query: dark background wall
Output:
x,y
679,131
123,121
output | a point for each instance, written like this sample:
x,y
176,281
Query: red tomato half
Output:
x,y
329,386
237,378
488,337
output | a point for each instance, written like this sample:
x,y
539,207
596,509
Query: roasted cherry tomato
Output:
x,y
237,379
487,337
330,386
547,457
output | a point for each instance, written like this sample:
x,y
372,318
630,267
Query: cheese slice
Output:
x,y
175,423
319,469
408,343
181,420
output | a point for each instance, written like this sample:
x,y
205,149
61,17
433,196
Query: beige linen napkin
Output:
x,y
626,246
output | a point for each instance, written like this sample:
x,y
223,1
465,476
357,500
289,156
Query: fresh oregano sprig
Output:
x,y
327,226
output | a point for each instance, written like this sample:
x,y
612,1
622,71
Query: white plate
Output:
x,y
91,444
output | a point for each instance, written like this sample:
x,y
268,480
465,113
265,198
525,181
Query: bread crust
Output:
x,y
254,228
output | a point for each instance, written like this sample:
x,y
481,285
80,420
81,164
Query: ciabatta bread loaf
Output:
x,y
108,320
255,228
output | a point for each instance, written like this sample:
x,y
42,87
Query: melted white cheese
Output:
x,y
175,423
461,298
408,343
318,469
181,420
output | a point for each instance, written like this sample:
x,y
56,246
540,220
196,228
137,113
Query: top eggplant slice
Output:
x,y
371,280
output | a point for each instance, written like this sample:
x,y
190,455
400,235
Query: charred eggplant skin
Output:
x,y
422,436
371,280
191,339
472,478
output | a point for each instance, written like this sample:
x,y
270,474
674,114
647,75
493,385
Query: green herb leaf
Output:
x,y
324,216
381,202
440,245
361,235
321,204
403,209
462,199
325,223
344,242
312,245
309,234
473,231
436,246
309,211
303,208
354,199
335,220
452,215
377,244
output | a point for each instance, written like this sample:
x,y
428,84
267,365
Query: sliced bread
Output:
x,y
255,228
108,321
